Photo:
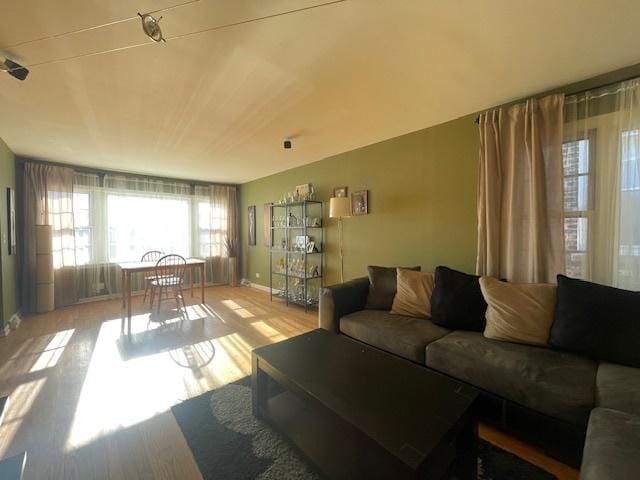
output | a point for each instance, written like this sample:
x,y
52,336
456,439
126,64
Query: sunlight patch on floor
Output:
x,y
200,311
237,309
268,331
20,402
52,352
120,391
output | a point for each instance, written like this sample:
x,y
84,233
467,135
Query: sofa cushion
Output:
x,y
561,385
596,320
457,302
404,336
413,297
382,286
612,447
618,387
518,312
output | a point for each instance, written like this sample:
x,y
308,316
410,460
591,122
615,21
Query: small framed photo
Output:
x,y
360,202
311,246
301,242
340,192
304,191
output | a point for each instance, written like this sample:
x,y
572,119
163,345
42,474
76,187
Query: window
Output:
x,y
204,219
629,174
138,223
82,227
212,229
629,229
117,219
578,202
579,205
60,206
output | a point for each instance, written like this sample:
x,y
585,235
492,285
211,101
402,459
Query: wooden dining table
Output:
x,y
130,268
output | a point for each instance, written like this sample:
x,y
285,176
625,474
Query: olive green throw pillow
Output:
x,y
413,295
520,313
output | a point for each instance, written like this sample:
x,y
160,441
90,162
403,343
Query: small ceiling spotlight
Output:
x,y
14,69
151,27
286,144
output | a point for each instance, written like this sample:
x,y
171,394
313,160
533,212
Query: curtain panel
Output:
x,y
48,200
520,202
602,184
218,228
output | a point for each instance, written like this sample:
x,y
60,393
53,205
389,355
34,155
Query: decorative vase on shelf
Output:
x,y
233,271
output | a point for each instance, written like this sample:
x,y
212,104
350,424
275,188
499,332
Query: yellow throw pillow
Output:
x,y
518,312
413,295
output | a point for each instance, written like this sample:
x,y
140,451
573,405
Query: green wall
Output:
x,y
422,203
8,263
422,197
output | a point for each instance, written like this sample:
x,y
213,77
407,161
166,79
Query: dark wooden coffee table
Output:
x,y
357,412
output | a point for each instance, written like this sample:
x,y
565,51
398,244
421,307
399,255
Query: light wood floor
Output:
x,y
87,405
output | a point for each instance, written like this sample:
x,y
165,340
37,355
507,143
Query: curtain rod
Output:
x,y
100,171
578,92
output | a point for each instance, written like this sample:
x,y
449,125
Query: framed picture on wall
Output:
x,y
304,191
266,224
340,192
11,220
360,202
252,225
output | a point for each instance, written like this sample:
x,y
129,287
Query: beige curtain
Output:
x,y
233,225
222,223
520,204
48,200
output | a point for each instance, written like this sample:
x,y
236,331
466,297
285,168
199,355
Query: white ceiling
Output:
x,y
217,105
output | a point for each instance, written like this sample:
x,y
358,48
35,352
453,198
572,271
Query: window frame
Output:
x,y
591,137
635,188
90,214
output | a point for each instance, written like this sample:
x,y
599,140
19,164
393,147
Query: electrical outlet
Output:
x,y
257,275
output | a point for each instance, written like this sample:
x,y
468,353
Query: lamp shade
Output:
x,y
339,207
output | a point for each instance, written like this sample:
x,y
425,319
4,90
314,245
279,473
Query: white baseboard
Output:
x,y
257,286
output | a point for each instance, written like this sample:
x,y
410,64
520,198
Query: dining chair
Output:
x,y
169,276
150,256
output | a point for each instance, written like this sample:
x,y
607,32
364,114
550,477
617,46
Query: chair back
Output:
x,y
152,256
171,269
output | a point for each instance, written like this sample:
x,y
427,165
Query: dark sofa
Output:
x,y
564,403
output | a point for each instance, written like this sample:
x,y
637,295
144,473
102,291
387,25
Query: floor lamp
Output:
x,y
340,207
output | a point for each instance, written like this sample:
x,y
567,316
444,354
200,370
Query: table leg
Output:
x,y
467,451
192,274
123,286
259,383
202,282
129,300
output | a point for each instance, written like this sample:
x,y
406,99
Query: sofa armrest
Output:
x,y
339,300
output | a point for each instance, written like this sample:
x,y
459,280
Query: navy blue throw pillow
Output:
x,y
598,321
457,302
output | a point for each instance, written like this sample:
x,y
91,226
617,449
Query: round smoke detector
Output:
x,y
151,27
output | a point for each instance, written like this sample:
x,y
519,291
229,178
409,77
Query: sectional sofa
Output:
x,y
580,410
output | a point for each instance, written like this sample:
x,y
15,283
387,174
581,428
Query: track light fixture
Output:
x,y
151,27
14,69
